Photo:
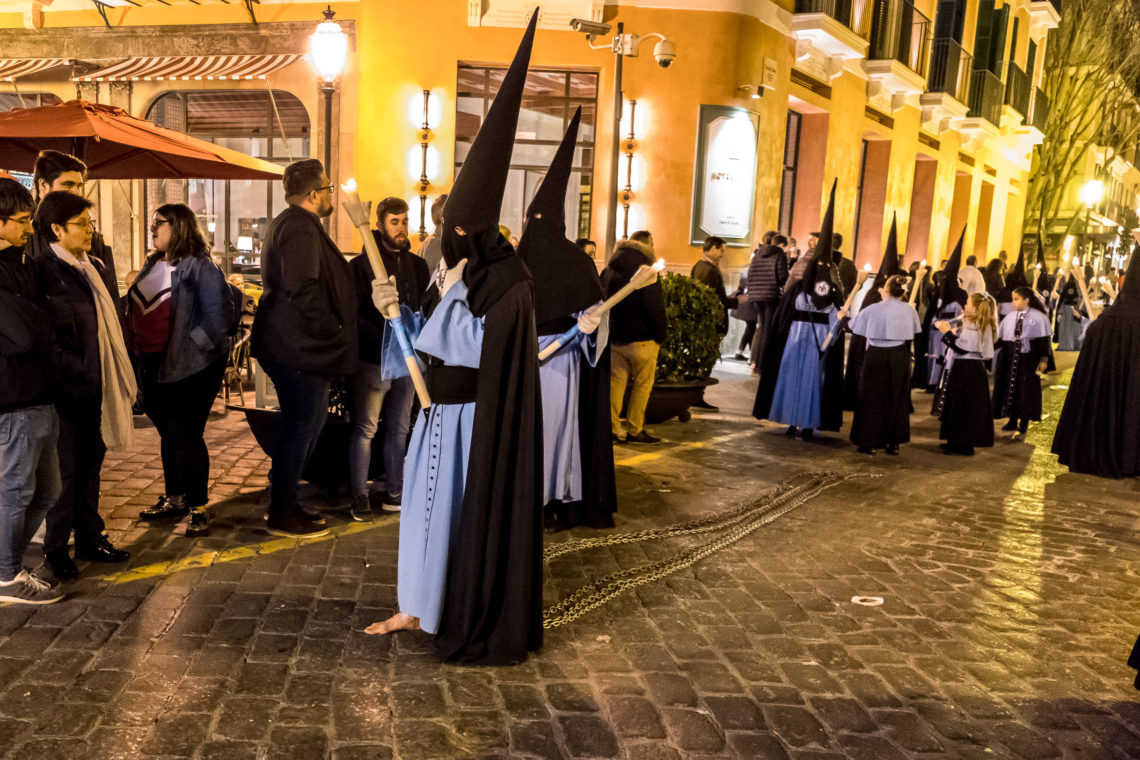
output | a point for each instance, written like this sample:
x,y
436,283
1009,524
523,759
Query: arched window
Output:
x,y
234,214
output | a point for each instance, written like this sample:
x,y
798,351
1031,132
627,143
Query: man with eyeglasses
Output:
x,y
29,427
63,172
304,334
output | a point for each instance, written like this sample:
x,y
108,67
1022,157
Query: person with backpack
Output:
x,y
181,320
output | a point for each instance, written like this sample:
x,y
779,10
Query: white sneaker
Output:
x,y
26,588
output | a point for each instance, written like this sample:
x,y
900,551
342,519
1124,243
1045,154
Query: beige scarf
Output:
x,y
119,388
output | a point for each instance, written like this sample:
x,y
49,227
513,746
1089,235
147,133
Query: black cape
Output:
x,y
857,347
1099,429
492,611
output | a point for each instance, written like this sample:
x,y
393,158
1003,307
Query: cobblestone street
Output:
x,y
1009,605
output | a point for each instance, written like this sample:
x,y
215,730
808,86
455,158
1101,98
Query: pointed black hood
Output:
x,y
888,267
817,276
565,277
949,289
1016,278
1042,281
471,215
1130,290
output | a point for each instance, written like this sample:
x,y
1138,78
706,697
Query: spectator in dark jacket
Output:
x,y
180,317
707,271
767,275
378,394
29,427
848,272
97,382
304,334
637,330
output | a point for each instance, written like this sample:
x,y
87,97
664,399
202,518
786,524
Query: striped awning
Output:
x,y
12,69
190,67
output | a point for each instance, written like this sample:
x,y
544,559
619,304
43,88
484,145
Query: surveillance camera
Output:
x,y
589,27
665,52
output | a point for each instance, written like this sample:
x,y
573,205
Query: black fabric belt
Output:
x,y
817,317
556,326
451,385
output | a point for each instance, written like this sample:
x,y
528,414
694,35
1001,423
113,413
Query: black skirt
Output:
x,y
967,415
882,411
1023,392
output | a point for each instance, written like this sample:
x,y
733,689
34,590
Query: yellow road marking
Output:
x,y
206,559
650,456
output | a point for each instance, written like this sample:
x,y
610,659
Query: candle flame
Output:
x,y
659,264
350,186
867,267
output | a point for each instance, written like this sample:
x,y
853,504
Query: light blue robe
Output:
x,y
436,466
799,386
936,349
561,443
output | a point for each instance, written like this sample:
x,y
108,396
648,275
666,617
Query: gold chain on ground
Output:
x,y
747,518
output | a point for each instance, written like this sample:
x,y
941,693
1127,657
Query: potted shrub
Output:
x,y
690,350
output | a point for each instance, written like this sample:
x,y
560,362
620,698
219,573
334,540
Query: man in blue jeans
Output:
x,y
377,396
29,428
304,334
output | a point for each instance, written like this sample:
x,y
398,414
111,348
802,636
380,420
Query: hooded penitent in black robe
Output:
x,y
817,285
1099,429
566,283
857,347
492,608
948,304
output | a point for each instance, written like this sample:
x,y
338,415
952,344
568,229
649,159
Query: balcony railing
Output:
x,y
854,14
899,32
1040,109
950,67
985,96
1017,88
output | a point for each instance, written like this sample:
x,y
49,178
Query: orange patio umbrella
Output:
x,y
116,145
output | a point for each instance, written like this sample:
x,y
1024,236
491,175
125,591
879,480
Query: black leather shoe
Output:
x,y
893,449
311,516
866,450
100,551
199,524
61,564
164,508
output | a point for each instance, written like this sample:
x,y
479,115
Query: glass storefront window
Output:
x,y
234,214
549,101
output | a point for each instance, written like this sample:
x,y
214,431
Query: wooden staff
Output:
x,y
359,216
643,277
1080,278
846,307
918,278
1106,283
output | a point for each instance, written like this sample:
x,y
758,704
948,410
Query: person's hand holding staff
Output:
x,y
918,280
643,277
846,310
359,216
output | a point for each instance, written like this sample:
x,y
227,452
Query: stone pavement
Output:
x,y
1009,607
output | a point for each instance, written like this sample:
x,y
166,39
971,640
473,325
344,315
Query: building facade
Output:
x,y
925,110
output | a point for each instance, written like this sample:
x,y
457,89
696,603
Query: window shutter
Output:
x,y
997,39
982,37
1031,61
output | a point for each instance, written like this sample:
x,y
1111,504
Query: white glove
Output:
x,y
589,322
384,295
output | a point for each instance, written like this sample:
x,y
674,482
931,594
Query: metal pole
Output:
x,y
328,90
615,149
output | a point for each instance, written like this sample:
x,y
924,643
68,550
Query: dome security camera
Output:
x,y
665,52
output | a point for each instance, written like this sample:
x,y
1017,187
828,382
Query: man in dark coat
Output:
x,y
767,277
63,172
377,395
29,478
1099,429
848,272
304,334
637,329
707,272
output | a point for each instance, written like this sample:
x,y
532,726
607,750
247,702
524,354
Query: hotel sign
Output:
x,y
724,178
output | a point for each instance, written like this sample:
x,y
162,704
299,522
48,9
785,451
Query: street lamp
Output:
x,y
328,52
623,44
1090,195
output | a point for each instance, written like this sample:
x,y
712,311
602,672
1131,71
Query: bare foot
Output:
x,y
398,622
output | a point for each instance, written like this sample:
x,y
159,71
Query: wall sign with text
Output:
x,y
724,179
